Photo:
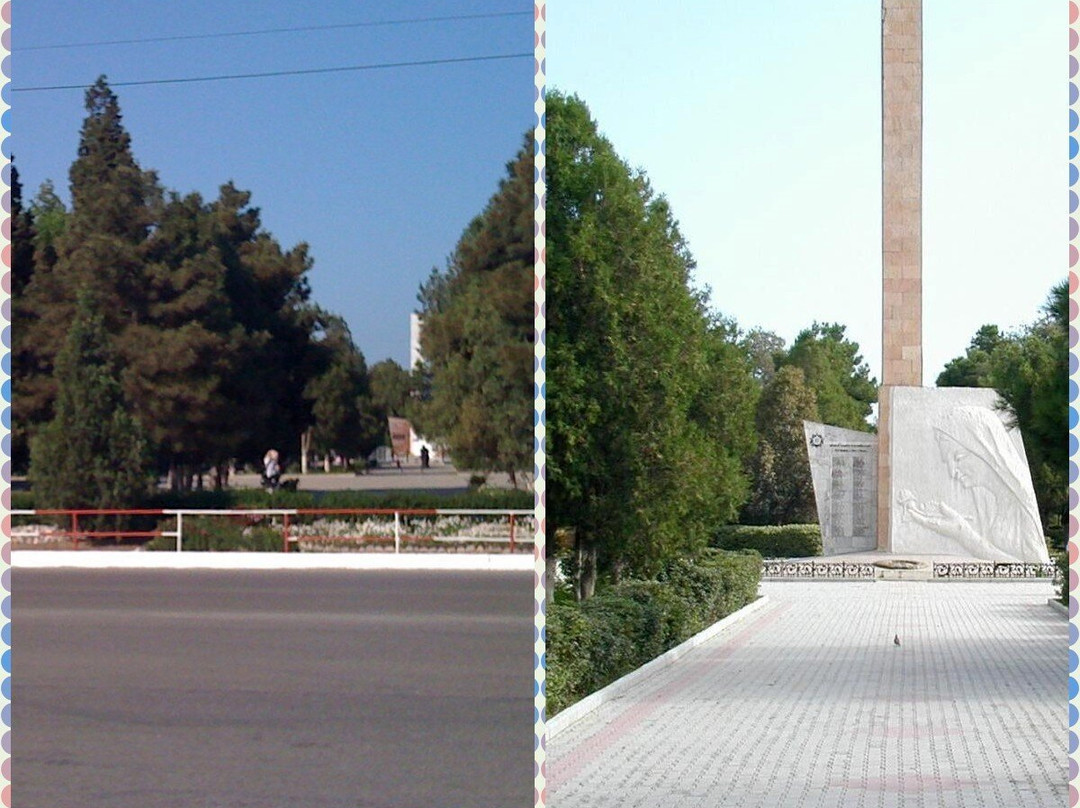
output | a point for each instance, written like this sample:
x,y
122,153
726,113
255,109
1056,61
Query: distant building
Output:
x,y
416,326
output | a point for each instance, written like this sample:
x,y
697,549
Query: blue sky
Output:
x,y
379,171
761,123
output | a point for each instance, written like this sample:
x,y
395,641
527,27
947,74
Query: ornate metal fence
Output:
x,y
785,569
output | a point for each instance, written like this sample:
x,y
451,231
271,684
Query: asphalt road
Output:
x,y
139,689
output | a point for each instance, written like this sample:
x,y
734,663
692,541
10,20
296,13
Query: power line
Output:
x,y
263,31
278,73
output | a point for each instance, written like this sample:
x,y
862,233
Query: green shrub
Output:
x,y
223,533
570,638
22,500
771,541
591,644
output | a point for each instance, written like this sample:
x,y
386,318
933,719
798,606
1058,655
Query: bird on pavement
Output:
x,y
896,640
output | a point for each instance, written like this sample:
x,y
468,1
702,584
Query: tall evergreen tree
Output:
x,y
345,418
269,293
34,344
23,236
93,454
97,247
188,342
477,339
783,491
644,453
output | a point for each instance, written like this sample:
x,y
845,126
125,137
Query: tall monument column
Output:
x,y
901,209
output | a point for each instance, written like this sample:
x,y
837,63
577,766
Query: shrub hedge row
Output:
x,y
772,541
496,499
220,535
593,643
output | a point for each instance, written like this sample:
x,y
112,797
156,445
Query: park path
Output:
x,y
809,703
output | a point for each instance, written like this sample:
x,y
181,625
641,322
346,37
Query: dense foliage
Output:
x,y
592,643
649,401
93,451
771,541
1030,370
477,339
215,347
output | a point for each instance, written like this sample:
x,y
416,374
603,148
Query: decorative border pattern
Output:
x,y
779,568
539,261
1074,492
5,418
996,570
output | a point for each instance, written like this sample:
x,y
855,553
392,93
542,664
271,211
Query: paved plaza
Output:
x,y
808,702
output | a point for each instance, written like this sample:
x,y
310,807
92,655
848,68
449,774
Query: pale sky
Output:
x,y
761,123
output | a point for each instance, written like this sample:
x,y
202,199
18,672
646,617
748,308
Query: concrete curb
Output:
x,y
97,559
1058,606
575,712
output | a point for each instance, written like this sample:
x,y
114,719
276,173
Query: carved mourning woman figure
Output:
x,y
989,511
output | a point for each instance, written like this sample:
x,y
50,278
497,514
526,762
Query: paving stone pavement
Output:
x,y
809,703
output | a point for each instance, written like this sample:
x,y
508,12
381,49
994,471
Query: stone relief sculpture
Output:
x,y
988,509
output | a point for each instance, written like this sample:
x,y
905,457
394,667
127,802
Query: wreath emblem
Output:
x,y
816,441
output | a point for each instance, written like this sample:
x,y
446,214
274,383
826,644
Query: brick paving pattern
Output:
x,y
809,703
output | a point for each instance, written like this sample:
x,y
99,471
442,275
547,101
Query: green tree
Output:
x,y
23,236
391,388
643,459
185,346
34,343
94,453
783,491
1029,369
97,246
974,368
345,419
762,347
270,295
477,337
834,370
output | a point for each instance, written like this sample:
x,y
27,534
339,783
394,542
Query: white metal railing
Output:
x,y
291,530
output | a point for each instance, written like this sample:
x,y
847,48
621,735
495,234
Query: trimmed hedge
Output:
x,y
772,541
222,533
593,643
496,499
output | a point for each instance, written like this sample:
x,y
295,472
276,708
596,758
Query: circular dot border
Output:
x,y
539,415
5,422
1074,414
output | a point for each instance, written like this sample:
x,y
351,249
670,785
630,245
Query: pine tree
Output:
x,y
97,247
188,342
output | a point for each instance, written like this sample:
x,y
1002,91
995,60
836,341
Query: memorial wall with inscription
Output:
x,y
843,464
